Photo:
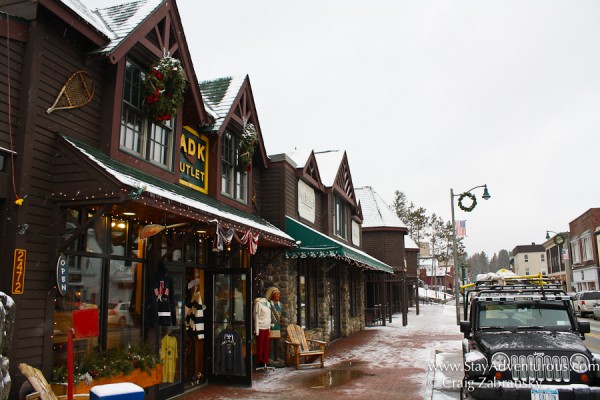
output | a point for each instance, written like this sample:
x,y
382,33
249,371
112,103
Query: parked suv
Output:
x,y
584,302
523,341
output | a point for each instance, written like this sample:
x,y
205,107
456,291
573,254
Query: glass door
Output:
x,y
170,337
230,327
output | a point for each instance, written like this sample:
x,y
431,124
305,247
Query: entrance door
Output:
x,y
230,326
171,342
332,293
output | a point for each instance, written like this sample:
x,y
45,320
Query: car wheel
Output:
x,y
122,322
578,312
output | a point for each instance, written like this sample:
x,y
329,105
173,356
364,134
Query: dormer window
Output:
x,y
151,141
234,183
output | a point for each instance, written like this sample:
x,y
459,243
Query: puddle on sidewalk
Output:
x,y
333,378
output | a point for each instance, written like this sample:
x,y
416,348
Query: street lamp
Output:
x,y
485,196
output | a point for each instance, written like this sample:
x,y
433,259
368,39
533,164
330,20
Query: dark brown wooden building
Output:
x,y
323,278
115,193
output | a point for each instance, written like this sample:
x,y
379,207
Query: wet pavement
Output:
x,y
419,361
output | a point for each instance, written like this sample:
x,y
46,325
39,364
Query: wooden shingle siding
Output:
x,y
387,246
16,54
271,194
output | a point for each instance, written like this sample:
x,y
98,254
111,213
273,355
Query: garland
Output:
x,y
247,147
473,200
163,89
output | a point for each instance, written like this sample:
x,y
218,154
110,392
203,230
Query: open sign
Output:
x,y
62,275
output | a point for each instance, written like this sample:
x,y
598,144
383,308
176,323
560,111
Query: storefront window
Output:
x,y
103,302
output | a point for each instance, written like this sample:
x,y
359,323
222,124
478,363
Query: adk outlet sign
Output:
x,y
193,161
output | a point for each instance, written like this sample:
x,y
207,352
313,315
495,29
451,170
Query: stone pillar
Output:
x,y
7,319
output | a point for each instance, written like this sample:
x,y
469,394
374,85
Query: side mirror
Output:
x,y
584,327
465,327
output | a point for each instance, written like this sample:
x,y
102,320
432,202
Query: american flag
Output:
x,y
461,228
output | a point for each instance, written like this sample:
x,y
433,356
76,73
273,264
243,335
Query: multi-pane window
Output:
x,y
307,294
542,257
341,224
152,141
526,258
234,183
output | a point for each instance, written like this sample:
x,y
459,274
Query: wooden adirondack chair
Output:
x,y
42,388
296,347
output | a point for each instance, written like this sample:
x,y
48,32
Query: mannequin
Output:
x,y
262,325
273,295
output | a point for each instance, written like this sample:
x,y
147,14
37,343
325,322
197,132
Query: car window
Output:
x,y
591,296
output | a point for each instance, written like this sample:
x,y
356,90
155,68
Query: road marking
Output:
x,y
596,335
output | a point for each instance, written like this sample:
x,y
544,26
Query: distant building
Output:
x,y
583,250
557,259
529,259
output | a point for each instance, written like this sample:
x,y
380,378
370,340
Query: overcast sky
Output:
x,y
426,96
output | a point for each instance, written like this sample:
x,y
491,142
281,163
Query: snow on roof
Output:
x,y
376,213
122,19
219,95
300,157
329,163
167,194
409,243
90,17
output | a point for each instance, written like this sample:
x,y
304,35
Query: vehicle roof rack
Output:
x,y
499,280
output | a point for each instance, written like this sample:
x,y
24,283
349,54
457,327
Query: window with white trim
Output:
x,y
575,251
151,141
234,183
340,214
526,257
587,252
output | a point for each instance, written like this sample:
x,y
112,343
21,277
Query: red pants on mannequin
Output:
x,y
262,347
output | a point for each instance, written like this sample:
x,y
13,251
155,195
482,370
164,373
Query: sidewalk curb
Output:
x,y
430,379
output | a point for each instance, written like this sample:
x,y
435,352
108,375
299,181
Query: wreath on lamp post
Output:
x,y
473,201
247,147
164,87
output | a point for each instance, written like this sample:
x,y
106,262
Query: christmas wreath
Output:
x,y
247,146
163,89
473,201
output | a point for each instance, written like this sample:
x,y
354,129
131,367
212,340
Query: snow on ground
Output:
x,y
434,294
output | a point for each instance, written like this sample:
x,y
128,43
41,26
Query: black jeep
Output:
x,y
523,341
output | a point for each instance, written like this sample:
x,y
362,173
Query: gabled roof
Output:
x,y
335,173
329,163
219,96
154,24
376,213
123,19
230,99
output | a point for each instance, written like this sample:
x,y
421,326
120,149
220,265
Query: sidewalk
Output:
x,y
391,362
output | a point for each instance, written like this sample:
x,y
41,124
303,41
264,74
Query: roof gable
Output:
x,y
376,213
156,26
230,99
335,173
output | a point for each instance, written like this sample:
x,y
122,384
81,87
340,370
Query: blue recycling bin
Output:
x,y
117,391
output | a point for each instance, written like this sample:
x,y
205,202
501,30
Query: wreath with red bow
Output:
x,y
164,89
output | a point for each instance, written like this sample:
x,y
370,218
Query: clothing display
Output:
x,y
195,316
168,358
229,359
262,326
164,297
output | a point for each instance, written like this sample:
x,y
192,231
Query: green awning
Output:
x,y
315,244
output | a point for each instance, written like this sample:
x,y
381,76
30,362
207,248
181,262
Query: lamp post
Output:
x,y
485,196
441,258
